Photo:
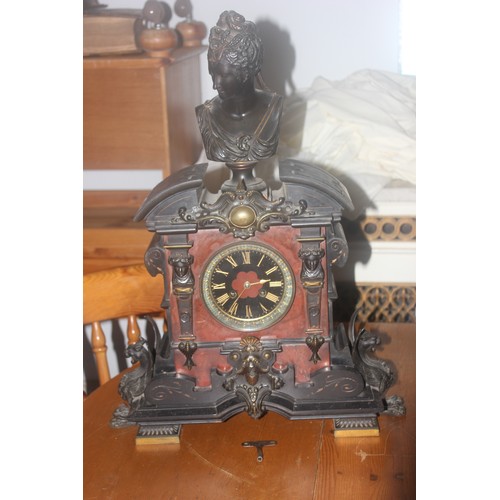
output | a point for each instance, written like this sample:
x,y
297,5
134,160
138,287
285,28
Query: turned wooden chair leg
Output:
x,y
133,331
98,340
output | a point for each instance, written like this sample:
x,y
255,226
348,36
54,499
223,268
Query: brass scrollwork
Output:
x,y
241,212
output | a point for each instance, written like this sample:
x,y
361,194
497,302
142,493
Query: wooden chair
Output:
x,y
122,292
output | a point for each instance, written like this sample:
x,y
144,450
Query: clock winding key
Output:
x,y
259,445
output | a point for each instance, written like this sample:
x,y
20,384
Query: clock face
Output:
x,y
247,286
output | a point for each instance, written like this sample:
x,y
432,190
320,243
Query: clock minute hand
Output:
x,y
260,282
247,285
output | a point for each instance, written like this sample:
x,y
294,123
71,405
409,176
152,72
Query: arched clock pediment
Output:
x,y
308,194
184,184
313,183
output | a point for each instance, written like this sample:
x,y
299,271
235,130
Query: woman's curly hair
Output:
x,y
236,41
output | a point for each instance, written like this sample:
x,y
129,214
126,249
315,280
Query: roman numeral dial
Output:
x,y
247,286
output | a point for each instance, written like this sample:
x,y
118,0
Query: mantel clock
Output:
x,y
248,272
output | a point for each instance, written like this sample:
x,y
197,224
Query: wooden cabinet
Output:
x,y
138,113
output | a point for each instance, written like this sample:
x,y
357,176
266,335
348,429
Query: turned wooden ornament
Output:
x,y
156,38
191,32
159,42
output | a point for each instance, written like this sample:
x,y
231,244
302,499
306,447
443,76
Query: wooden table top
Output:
x,y
307,462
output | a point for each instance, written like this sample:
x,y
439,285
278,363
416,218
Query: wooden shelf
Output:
x,y
110,237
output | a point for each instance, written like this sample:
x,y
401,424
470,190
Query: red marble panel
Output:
x,y
206,244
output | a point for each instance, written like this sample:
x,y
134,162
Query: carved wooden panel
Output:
x,y
401,228
389,303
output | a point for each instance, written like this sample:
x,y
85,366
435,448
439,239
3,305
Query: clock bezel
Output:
x,y
245,324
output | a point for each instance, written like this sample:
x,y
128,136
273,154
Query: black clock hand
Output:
x,y
247,285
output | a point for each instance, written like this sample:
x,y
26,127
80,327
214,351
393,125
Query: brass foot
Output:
x,y
158,434
356,426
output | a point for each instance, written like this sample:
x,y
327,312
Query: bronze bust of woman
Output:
x,y
240,124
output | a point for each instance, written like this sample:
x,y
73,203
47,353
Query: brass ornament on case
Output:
x,y
242,216
239,206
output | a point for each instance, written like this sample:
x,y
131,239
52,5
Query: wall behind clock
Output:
x,y
305,39
330,38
